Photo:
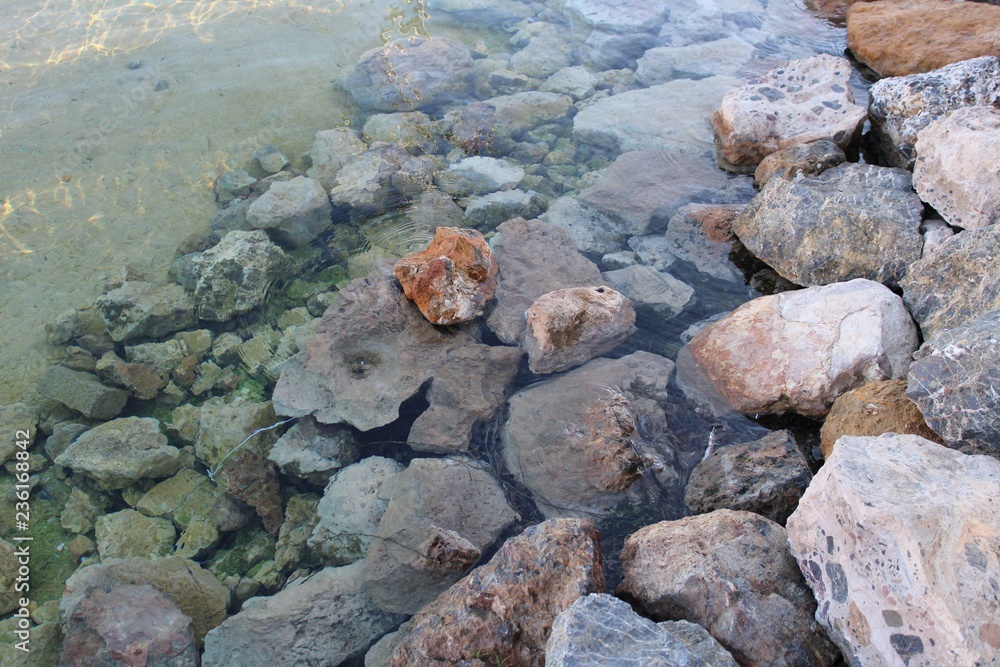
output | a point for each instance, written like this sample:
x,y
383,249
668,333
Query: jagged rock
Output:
x,y
164,357
797,351
314,451
590,231
469,388
330,151
270,159
379,180
953,380
900,107
888,561
873,409
812,231
197,594
139,309
543,50
233,184
190,496
668,117
653,250
504,610
400,574
534,258
249,477
83,509
296,211
490,210
475,130
569,439
128,533
642,190
571,326
125,624
417,73
802,101
766,477
651,289
901,37
323,619
599,629
122,451
236,275
808,159
958,283
955,170
453,279
197,540
372,350
351,508
935,232
730,573
703,59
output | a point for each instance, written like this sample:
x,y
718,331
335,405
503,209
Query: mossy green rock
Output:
x,y
224,426
268,575
8,573
301,517
129,533
246,549
46,640
190,496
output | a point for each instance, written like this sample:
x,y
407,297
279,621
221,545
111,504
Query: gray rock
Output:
x,y
935,232
955,171
953,380
128,533
886,560
534,258
704,59
613,51
521,112
957,283
642,190
699,234
63,433
236,275
330,151
634,17
900,107
591,231
731,573
190,497
618,260
652,250
543,50
379,180
799,102
83,509
350,509
569,440
578,82
314,451
488,211
164,357
466,391
296,211
232,217
413,131
232,184
479,175
813,231
650,289
122,451
807,159
766,477
599,629
417,73
670,117
270,159
224,426
425,541
372,350
139,309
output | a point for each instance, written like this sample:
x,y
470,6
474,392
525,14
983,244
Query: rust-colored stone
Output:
x,y
453,279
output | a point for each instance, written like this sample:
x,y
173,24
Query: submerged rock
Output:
x,y
797,351
82,392
488,211
802,101
731,573
651,290
139,309
703,59
505,609
900,107
590,231
599,629
236,275
331,150
128,533
296,211
314,451
887,561
379,180
479,175
189,497
702,234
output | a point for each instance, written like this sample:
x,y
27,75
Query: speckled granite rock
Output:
x,y
731,573
958,282
957,166
954,379
888,561
900,107
802,101
599,629
812,231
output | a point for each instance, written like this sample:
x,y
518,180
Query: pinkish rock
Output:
x,y
453,279
568,327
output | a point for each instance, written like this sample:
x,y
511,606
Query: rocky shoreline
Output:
x,y
429,397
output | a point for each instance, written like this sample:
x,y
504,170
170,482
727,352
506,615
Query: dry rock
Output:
x,y
888,561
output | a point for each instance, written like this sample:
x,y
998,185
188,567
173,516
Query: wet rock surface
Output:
x,y
886,560
314,451
138,309
797,351
650,289
296,211
813,232
600,629
82,392
901,106
236,275
731,573
505,609
802,101
808,159
953,381
128,533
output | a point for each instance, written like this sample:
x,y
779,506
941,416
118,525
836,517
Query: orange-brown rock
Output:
x,y
874,409
900,37
502,612
453,279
